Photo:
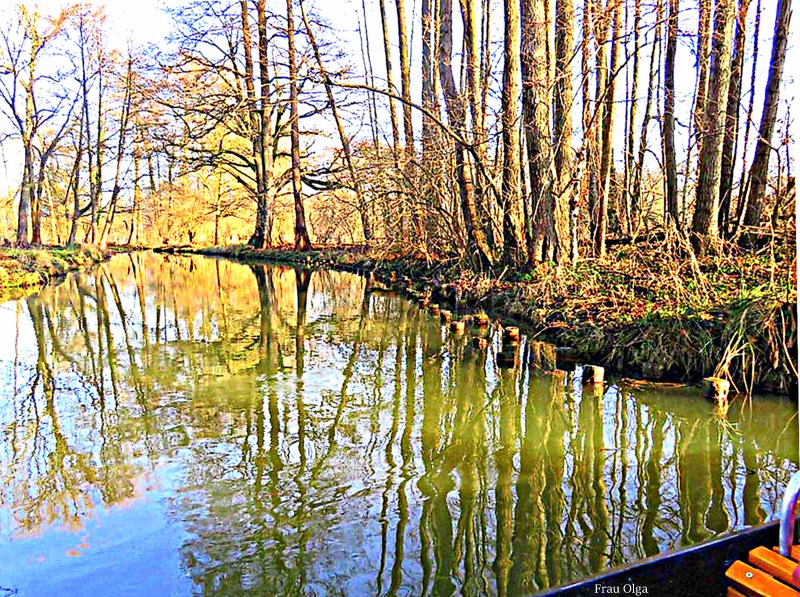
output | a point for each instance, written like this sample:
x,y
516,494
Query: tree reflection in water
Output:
x,y
331,439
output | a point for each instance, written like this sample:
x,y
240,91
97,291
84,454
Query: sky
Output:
x,y
145,21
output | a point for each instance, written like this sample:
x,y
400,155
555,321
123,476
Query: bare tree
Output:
x,y
706,215
514,250
301,239
758,171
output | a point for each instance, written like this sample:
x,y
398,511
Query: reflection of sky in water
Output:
x,y
186,448
131,548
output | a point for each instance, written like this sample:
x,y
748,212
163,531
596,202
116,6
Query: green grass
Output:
x,y
31,268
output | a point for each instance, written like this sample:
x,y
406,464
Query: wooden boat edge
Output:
x,y
695,570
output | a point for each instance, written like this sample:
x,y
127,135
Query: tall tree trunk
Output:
x,y
565,198
427,77
758,171
670,162
405,77
547,242
633,101
456,115
729,143
705,221
136,209
366,59
98,155
514,250
348,157
594,141
25,194
471,60
741,207
608,77
301,239
123,130
703,57
389,77
638,170
259,238
75,183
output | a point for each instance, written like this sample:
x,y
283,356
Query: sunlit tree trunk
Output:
x,y
670,163
705,222
427,76
259,237
565,197
638,170
75,180
609,66
702,52
456,114
389,77
405,76
545,242
729,143
758,171
121,138
633,101
510,198
348,155
136,209
741,207
301,239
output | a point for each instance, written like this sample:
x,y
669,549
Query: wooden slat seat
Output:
x,y
768,574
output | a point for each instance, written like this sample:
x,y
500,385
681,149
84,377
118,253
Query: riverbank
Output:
x,y
26,270
646,316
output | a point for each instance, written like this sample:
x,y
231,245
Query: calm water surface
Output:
x,y
181,425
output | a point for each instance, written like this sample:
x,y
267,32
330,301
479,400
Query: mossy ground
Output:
x,y
646,311
23,270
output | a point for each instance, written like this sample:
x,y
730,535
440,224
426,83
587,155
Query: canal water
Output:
x,y
183,425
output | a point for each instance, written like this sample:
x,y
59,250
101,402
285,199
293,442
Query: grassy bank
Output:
x,y
25,270
650,315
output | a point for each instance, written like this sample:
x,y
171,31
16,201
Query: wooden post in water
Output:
x,y
593,374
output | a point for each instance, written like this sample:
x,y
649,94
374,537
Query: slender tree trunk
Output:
x,y
565,198
25,194
301,239
36,204
405,77
703,57
98,154
123,129
259,238
456,114
366,60
638,171
608,77
389,78
136,209
758,171
514,250
741,205
546,242
597,207
670,162
473,76
729,143
76,173
705,222
427,77
362,207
